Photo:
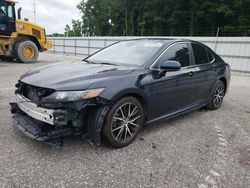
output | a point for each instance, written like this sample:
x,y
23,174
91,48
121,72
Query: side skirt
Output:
x,y
174,114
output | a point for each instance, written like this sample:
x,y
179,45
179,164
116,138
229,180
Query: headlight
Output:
x,y
67,96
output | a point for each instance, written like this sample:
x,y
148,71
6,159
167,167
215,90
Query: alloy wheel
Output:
x,y
219,94
126,122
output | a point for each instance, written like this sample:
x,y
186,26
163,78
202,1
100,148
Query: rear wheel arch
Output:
x,y
224,82
217,95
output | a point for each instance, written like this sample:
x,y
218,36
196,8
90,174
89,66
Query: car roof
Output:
x,y
11,1
168,41
164,39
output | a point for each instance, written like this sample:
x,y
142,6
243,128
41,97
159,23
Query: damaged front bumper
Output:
x,y
50,116
45,125
36,129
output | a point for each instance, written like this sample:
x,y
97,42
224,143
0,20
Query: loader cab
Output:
x,y
7,18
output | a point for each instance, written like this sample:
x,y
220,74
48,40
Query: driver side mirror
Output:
x,y
170,65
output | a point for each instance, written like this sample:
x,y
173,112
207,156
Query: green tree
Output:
x,y
158,17
75,30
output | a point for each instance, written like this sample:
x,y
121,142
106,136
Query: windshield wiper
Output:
x,y
89,61
102,63
105,63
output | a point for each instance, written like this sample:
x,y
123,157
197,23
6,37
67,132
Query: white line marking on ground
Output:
x,y
223,144
220,135
222,139
222,154
211,181
214,173
246,136
216,127
202,186
237,125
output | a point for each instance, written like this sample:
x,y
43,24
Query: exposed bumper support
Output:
x,y
42,114
36,129
52,117
45,132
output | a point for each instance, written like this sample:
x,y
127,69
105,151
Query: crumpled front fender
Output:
x,y
96,120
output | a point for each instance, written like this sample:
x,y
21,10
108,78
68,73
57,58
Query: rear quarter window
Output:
x,y
210,56
200,54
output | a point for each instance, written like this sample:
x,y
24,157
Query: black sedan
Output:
x,y
118,90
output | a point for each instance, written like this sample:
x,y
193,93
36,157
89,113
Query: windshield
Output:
x,y
6,11
6,15
136,52
2,11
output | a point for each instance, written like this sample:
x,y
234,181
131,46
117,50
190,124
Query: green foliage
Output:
x,y
75,30
161,17
56,35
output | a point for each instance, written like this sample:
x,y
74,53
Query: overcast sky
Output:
x,y
51,14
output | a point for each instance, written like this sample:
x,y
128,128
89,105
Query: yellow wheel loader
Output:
x,y
20,39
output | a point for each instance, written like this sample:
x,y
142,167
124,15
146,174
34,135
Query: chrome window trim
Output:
x,y
194,65
151,67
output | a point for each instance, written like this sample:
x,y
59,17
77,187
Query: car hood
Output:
x,y
73,75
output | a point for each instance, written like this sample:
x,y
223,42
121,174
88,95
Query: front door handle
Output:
x,y
190,74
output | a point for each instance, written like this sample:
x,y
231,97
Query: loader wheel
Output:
x,y
26,51
4,58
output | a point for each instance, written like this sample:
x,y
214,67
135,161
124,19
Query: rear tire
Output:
x,y
123,122
217,96
26,51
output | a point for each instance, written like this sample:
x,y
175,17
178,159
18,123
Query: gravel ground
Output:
x,y
200,149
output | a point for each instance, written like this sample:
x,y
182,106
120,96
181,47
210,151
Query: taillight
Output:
x,y
227,71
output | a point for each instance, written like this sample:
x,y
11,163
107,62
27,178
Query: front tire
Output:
x,y
26,51
217,96
123,122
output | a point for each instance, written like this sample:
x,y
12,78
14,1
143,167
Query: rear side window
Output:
x,y
200,54
178,52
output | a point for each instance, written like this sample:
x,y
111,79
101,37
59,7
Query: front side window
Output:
x,y
200,54
178,52
135,52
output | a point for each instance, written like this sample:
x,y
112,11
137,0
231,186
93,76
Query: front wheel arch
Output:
x,y
143,99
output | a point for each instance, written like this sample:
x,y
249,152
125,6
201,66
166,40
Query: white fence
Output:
x,y
234,50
